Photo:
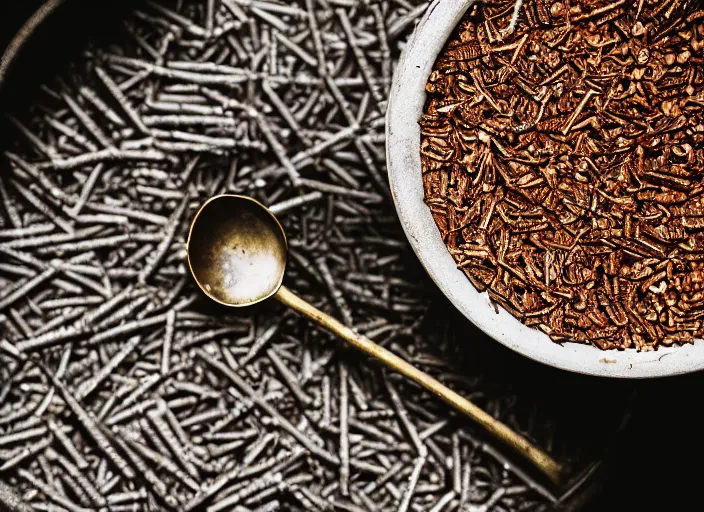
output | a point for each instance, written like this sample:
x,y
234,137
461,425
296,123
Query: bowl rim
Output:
x,y
405,107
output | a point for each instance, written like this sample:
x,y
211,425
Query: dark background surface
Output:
x,y
655,465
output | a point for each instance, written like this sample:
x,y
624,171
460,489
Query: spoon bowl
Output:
x,y
237,251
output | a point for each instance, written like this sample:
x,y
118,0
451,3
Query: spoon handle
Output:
x,y
535,455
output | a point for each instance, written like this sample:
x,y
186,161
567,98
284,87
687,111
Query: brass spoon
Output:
x,y
237,253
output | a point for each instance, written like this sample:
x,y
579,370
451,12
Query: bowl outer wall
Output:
x,y
405,107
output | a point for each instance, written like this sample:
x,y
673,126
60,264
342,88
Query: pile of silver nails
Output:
x,y
120,390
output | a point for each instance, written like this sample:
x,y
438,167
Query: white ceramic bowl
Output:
x,y
403,155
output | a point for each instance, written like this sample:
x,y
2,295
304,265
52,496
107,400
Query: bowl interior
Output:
x,y
403,155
